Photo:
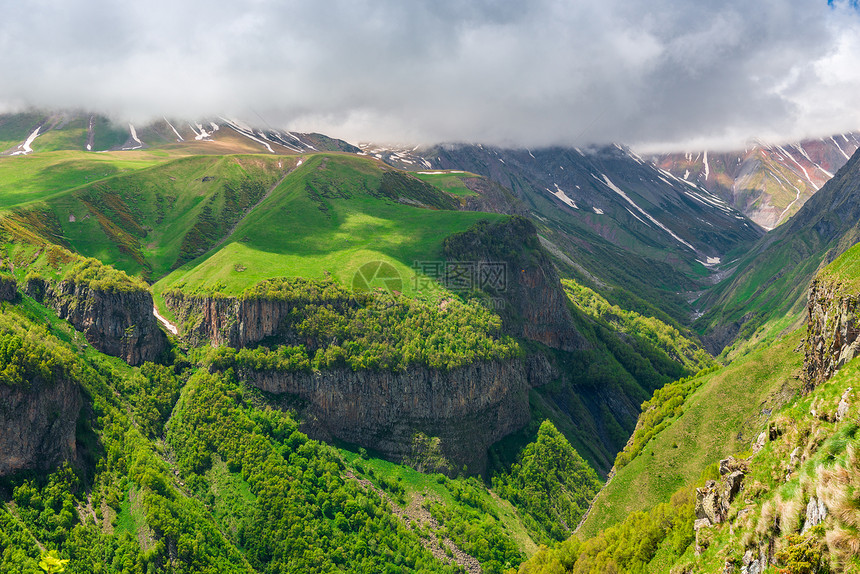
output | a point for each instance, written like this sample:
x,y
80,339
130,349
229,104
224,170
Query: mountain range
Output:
x,y
226,347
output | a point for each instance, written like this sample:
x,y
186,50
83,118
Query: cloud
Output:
x,y
664,73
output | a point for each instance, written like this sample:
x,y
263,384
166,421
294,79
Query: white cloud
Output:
x,y
665,72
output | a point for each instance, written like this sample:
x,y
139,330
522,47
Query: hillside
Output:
x,y
302,270
765,291
357,367
624,227
748,467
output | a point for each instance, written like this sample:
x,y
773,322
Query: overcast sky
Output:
x,y
681,74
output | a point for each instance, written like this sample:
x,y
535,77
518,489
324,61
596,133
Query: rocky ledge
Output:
x,y
833,325
118,323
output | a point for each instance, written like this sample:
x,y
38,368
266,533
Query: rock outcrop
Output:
x,y
714,499
467,409
118,323
816,512
8,288
521,280
833,326
232,321
37,424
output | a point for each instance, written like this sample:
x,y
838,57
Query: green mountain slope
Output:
x,y
332,215
194,446
240,491
721,417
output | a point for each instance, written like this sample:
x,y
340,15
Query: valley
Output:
x,y
230,348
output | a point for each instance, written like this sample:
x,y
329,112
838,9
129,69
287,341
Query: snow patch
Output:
x,y
134,136
178,137
797,163
25,147
839,147
167,324
560,194
617,190
439,172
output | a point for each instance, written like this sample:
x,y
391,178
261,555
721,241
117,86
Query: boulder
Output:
x,y
759,442
844,403
816,512
708,503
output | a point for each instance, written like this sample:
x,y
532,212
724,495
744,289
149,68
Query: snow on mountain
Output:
x,y
768,183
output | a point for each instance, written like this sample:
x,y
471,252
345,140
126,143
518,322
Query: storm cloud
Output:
x,y
657,74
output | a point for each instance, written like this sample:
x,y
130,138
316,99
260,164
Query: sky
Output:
x,y
655,75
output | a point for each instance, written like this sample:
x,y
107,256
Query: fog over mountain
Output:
x,y
665,74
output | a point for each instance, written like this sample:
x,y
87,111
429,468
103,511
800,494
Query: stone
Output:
x,y
733,483
467,408
759,442
794,457
731,464
832,331
844,404
117,323
816,512
708,503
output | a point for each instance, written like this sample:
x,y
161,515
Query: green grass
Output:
x,y
845,269
139,222
29,178
15,128
723,417
293,233
452,182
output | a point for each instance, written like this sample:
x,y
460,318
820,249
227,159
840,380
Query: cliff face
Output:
x,y
37,425
228,321
833,325
468,408
520,278
116,323
8,289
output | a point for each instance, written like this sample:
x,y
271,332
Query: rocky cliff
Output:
x,y
833,325
467,409
37,424
511,267
8,288
231,321
118,323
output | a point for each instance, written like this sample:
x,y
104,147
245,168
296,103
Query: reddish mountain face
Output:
x,y
768,183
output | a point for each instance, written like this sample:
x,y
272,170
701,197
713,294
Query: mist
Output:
x,y
661,75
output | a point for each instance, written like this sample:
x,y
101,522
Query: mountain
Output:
x,y
765,289
22,134
241,349
622,224
231,339
778,494
767,183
